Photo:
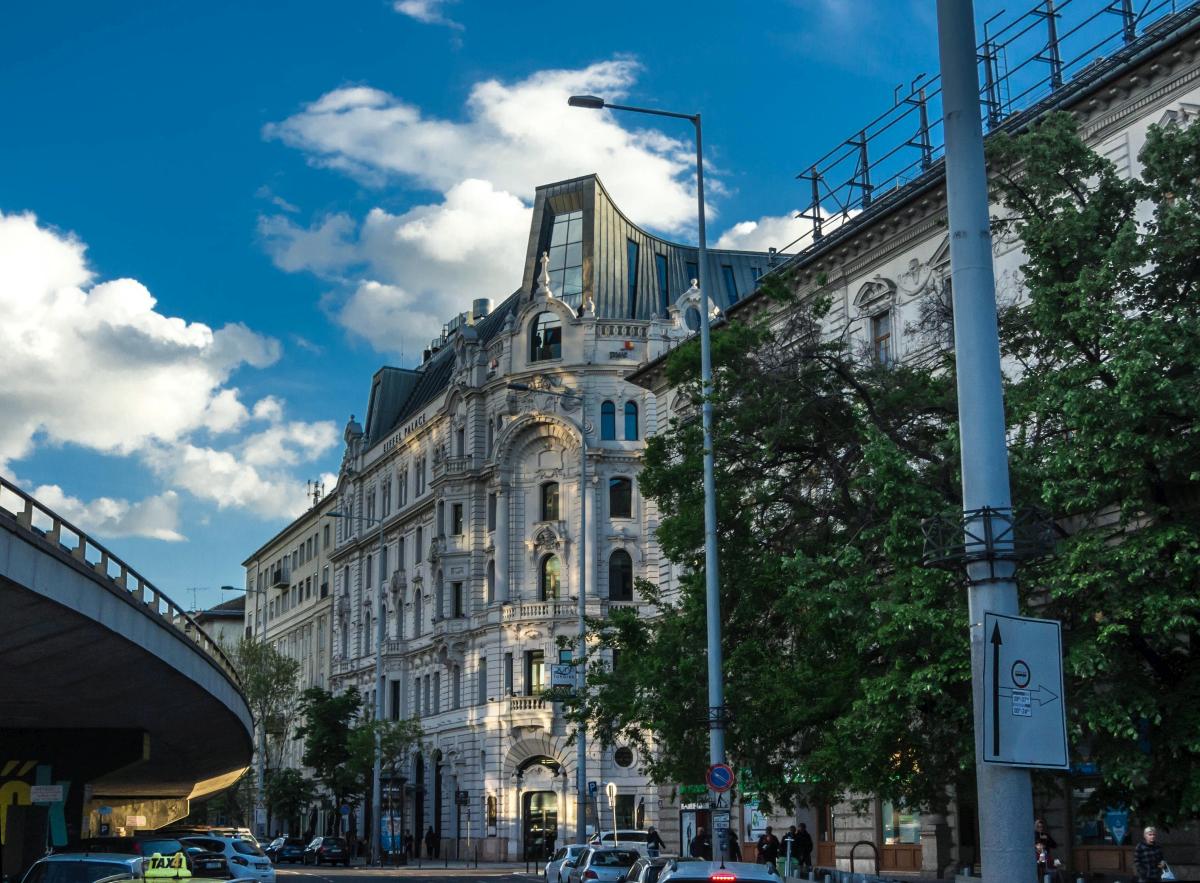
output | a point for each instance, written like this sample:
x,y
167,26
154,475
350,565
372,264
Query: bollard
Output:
x,y
828,879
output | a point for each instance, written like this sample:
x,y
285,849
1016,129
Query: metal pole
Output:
x,y
716,687
1005,796
376,766
580,672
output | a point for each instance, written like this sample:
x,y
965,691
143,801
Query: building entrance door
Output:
x,y
541,824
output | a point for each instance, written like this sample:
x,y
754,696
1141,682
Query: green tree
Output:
x,y
847,661
270,684
1107,415
329,721
398,739
289,793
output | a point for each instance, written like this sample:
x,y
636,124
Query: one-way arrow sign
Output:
x,y
1024,725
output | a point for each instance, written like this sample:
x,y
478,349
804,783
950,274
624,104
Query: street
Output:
x,y
329,874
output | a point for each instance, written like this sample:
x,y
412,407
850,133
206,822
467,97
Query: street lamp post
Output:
x,y
380,624
581,731
716,686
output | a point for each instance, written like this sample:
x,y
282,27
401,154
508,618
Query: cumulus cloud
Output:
x,y
97,365
154,517
426,11
436,259
787,233
513,135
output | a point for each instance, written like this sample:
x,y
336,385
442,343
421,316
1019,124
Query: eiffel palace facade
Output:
x,y
477,485
478,489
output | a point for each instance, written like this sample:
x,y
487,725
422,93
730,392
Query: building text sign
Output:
x,y
1024,716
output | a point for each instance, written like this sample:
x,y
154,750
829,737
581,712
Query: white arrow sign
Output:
x,y
1024,717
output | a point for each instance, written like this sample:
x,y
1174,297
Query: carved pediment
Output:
x,y
875,293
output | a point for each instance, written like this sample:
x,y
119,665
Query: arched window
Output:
x,y
608,421
550,501
491,581
549,581
418,614
620,498
631,427
366,633
620,576
545,338
400,618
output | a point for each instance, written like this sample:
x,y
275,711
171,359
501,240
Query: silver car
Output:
x,y
606,864
564,858
74,867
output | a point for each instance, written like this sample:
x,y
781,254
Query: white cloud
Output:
x,y
426,11
787,233
436,260
514,135
154,517
98,365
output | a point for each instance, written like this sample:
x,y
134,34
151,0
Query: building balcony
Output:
x,y
453,466
280,577
538,610
450,625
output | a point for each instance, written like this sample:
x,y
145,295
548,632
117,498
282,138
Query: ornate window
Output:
x,y
620,498
631,421
881,338
608,421
620,576
545,338
548,580
491,581
550,501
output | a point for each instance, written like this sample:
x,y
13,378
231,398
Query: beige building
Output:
x,y
885,271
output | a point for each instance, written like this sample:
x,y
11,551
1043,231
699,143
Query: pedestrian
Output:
x,y
431,843
701,845
1044,845
1148,857
804,842
407,843
789,849
654,843
767,848
733,849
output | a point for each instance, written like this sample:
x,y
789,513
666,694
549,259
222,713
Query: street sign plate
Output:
x,y
1024,714
562,674
720,777
593,787
46,793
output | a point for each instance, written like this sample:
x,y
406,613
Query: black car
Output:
x,y
326,851
285,849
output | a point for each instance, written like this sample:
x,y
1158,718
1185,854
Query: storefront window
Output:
x,y
900,825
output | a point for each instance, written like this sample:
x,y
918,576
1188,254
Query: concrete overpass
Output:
x,y
106,687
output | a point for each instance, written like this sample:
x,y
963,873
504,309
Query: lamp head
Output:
x,y
589,101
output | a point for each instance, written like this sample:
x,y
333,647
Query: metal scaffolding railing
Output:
x,y
1048,48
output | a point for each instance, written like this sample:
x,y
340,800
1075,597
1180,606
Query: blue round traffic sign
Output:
x,y
720,777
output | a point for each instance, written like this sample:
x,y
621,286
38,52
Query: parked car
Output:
x,y
564,858
285,849
604,864
84,867
245,857
631,838
679,871
206,863
136,844
327,851
648,870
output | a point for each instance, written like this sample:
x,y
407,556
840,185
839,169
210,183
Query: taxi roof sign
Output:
x,y
172,867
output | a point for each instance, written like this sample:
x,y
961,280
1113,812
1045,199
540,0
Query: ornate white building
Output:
x,y
478,489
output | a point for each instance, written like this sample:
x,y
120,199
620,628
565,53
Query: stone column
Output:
x,y
501,542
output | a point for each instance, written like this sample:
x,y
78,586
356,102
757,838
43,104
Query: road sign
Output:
x,y
720,777
1024,715
462,798
46,793
562,674
593,787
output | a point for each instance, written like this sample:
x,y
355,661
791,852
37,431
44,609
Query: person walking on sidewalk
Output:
x,y
701,845
1148,857
431,843
804,842
768,848
654,843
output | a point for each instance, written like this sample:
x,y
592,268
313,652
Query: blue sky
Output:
x,y
218,219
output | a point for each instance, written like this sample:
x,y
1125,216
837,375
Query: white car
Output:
x,y
623,838
560,864
245,857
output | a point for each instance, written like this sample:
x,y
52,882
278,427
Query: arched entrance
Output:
x,y
539,806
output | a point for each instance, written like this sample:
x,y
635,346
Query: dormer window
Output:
x,y
566,257
545,338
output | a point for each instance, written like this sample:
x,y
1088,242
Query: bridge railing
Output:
x,y
51,527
